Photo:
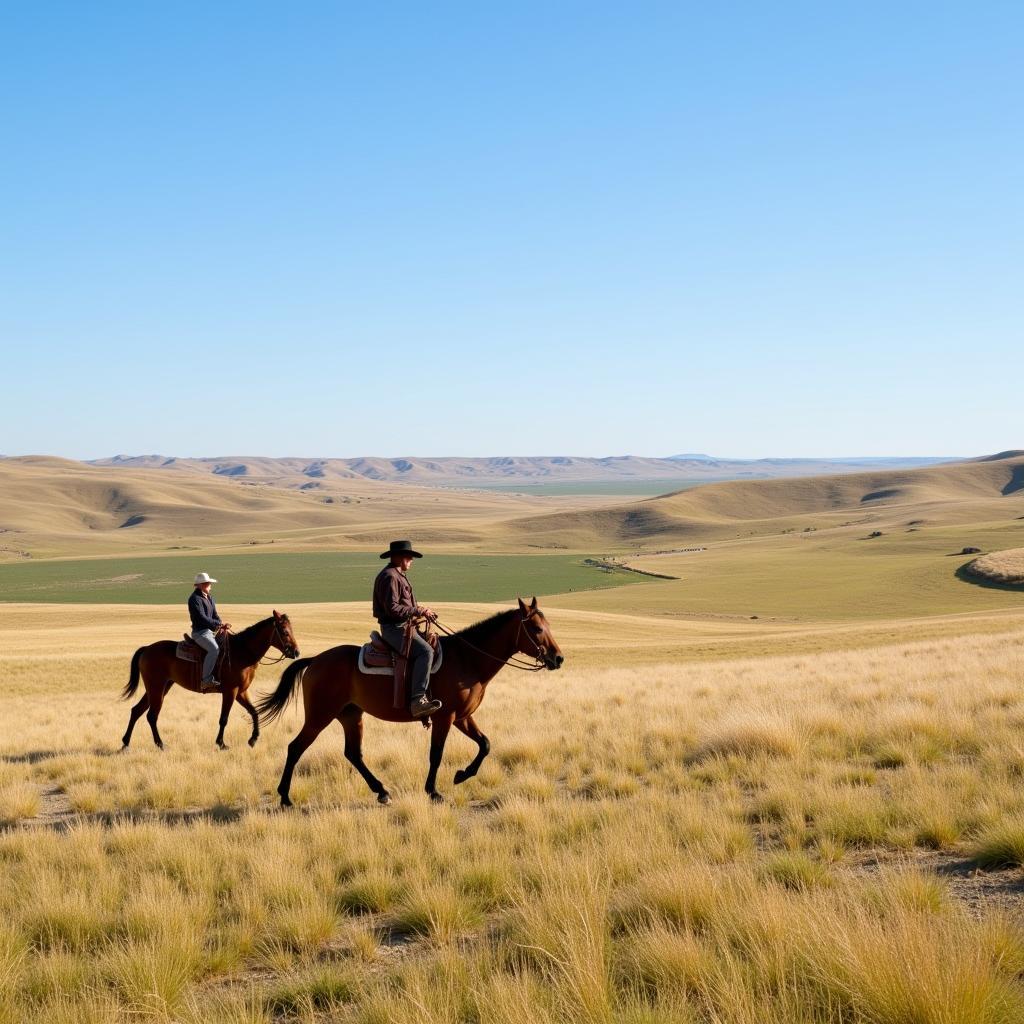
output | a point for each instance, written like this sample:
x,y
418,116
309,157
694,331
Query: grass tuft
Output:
x,y
1001,845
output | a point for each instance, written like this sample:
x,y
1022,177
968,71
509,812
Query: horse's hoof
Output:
x,y
285,802
252,741
461,776
223,746
436,798
384,798
124,747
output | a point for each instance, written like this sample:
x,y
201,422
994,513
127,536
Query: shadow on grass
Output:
x,y
30,757
979,581
65,820
37,756
1016,481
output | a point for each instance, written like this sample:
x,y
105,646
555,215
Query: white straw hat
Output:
x,y
204,577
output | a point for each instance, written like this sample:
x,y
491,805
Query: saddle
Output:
x,y
378,658
188,650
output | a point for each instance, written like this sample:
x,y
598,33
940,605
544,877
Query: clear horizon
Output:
x,y
579,229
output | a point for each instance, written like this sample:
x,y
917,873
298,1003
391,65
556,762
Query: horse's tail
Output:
x,y
272,704
133,678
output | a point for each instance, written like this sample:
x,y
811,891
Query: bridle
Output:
x,y
284,645
538,665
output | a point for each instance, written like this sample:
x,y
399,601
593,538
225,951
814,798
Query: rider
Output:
x,y
393,607
206,627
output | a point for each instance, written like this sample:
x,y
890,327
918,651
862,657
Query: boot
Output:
x,y
209,686
422,706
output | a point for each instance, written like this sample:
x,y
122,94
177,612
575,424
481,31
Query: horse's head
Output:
x,y
283,638
535,639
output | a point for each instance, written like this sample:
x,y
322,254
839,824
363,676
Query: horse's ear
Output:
x,y
522,605
276,615
533,605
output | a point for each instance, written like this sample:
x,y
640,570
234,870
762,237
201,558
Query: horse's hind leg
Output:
x,y
248,705
297,747
352,722
156,702
136,713
227,699
469,728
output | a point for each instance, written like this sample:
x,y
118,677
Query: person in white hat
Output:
x,y
206,626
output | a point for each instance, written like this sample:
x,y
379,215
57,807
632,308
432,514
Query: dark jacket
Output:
x,y
203,610
393,602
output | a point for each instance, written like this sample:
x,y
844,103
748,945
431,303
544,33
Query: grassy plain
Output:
x,y
296,576
832,573
668,842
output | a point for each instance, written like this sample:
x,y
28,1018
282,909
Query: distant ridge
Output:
x,y
452,471
848,462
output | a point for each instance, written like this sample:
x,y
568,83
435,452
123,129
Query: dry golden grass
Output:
x,y
733,841
999,567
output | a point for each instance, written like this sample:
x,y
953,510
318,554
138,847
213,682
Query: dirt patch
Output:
x,y
979,890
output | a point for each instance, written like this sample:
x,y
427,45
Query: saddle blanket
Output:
x,y
189,650
388,670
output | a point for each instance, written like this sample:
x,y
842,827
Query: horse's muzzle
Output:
x,y
553,661
292,652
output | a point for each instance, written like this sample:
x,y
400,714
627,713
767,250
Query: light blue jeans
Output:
x,y
206,639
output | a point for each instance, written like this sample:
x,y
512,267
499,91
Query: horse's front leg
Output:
x,y
136,713
469,728
248,705
226,700
442,724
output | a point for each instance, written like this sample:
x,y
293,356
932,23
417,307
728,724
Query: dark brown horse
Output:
x,y
160,669
334,688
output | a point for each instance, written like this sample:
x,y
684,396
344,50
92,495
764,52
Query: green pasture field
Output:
x,y
297,577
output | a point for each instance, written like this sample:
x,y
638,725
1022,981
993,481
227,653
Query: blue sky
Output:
x,y
477,229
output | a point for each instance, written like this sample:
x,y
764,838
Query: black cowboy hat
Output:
x,y
400,547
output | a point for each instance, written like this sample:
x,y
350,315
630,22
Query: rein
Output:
x,y
537,666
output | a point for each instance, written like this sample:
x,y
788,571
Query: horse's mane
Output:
x,y
244,634
485,627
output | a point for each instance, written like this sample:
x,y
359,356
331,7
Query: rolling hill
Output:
x,y
56,507
962,491
59,508
883,543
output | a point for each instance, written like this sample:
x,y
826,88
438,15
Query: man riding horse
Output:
x,y
394,607
206,627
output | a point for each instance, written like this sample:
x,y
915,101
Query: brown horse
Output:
x,y
334,688
160,669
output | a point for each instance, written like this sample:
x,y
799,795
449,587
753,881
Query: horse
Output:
x,y
334,688
160,669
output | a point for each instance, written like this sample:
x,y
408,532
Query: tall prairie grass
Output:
x,y
725,843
